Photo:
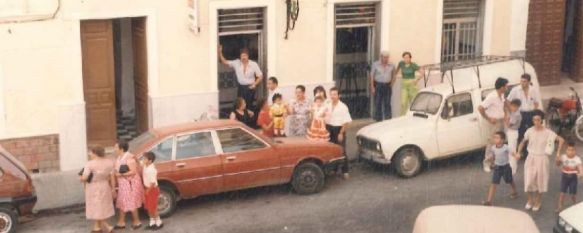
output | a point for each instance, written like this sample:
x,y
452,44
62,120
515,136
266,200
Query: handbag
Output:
x,y
89,177
124,168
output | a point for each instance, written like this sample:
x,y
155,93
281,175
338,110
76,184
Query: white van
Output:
x,y
443,119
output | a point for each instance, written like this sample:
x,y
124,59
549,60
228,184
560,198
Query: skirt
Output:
x,y
151,202
536,173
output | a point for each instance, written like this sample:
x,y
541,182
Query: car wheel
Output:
x,y
308,178
408,162
8,220
166,201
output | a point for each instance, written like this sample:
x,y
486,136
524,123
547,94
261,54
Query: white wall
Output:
x,y
519,22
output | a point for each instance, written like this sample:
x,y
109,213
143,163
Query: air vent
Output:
x,y
355,15
237,20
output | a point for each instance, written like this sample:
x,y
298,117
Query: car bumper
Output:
x,y
25,204
373,156
336,165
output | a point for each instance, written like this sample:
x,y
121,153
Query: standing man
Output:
x,y
381,82
337,122
272,89
248,74
492,110
530,100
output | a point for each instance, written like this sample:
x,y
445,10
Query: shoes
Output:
x,y
487,203
536,208
528,206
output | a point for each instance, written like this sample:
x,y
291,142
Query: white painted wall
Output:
x,y
519,22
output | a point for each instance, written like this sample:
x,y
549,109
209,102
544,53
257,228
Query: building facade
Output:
x,y
80,73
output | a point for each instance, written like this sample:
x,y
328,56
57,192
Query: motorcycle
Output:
x,y
564,115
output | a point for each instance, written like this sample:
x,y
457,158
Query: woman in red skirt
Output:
x,y
152,191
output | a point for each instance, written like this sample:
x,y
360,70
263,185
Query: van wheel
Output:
x,y
308,178
407,162
8,220
166,201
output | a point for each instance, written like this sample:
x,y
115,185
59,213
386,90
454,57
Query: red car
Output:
x,y
17,195
210,157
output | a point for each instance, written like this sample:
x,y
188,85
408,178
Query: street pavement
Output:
x,y
373,200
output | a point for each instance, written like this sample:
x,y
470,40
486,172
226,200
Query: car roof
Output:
x,y
193,126
471,218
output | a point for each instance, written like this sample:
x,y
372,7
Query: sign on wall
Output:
x,y
193,16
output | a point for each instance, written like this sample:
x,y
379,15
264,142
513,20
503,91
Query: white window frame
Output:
x,y
483,30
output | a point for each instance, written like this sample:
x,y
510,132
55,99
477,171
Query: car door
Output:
x,y
248,161
458,127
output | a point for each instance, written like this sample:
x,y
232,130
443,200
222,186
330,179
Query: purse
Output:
x,y
124,168
89,177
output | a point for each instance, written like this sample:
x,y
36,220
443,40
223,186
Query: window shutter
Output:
x,y
355,15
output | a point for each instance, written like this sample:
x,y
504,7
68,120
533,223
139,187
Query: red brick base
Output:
x,y
38,154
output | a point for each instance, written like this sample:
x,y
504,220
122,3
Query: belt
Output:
x,y
375,82
278,115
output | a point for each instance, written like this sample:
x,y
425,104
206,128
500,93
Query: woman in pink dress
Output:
x,y
130,193
99,191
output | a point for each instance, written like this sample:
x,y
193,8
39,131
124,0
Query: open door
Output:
x,y
140,73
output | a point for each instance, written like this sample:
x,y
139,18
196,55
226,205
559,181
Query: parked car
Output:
x,y
210,157
470,218
569,220
443,120
17,194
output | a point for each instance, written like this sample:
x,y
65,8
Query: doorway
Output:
x,y
570,37
114,59
240,28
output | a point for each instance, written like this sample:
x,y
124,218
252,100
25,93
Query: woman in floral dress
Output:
x,y
130,188
299,113
99,191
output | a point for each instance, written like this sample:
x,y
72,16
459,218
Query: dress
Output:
x,y
536,166
98,195
130,194
277,111
317,130
300,119
265,119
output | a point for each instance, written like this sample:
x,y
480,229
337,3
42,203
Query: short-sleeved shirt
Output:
x,y
570,165
265,119
382,73
501,154
537,140
339,114
494,105
245,77
526,104
408,71
150,175
515,120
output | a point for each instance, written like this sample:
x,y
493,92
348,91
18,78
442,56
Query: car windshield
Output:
x,y
143,138
426,102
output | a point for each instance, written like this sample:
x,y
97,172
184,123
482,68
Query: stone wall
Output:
x,y
40,154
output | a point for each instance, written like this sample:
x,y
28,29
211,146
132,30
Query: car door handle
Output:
x,y
180,164
231,158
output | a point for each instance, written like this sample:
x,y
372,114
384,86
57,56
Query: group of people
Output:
x,y
518,120
121,183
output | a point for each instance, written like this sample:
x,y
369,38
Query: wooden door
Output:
x,y
98,81
140,72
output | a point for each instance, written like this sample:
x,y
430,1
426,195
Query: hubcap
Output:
x,y
308,179
410,163
164,202
5,223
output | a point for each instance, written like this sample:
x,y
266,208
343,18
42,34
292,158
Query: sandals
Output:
x,y
135,227
536,208
118,227
487,203
528,206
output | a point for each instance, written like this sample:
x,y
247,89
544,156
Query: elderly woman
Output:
x,y
299,113
409,81
99,189
242,114
536,167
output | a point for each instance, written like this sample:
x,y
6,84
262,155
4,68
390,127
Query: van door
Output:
x,y
458,127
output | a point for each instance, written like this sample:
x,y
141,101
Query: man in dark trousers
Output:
x,y
248,74
381,82
337,122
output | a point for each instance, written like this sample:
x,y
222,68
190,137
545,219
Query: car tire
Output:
x,y
167,201
407,162
308,178
8,220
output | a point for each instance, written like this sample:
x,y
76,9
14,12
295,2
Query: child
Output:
x,y
500,155
264,120
152,191
570,169
278,113
512,124
317,130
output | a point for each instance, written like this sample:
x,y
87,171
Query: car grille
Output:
x,y
367,144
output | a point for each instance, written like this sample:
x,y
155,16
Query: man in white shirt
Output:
x,y
248,74
272,89
530,100
337,122
492,110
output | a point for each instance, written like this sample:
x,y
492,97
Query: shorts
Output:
x,y
151,202
504,171
569,183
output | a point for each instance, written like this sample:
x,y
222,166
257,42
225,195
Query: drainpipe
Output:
x,y
31,16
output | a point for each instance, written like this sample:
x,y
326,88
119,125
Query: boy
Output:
x,y
570,169
500,155
152,191
512,124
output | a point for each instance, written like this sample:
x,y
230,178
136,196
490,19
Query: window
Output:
x,y
461,31
458,105
194,145
234,140
163,151
426,102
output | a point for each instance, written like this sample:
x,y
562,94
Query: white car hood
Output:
x,y
573,216
404,125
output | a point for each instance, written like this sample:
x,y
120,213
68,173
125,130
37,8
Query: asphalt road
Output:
x,y
373,200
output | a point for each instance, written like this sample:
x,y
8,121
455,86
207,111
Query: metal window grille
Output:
x,y
237,20
355,15
461,30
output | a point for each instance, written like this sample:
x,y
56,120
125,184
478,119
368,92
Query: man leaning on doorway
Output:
x,y
248,74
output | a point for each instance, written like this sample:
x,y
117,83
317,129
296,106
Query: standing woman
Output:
x,y
409,80
130,195
536,167
242,114
99,180
299,112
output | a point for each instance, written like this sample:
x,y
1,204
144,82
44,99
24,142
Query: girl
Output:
x,y
278,112
317,130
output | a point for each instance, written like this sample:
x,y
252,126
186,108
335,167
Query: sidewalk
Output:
x,y
561,90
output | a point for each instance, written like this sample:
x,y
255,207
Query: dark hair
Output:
x,y
274,80
320,88
123,145
261,102
301,87
99,151
244,51
538,112
407,53
333,89
516,102
570,143
275,97
239,102
525,76
501,134
500,82
319,98
150,156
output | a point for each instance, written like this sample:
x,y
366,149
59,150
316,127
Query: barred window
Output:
x,y
461,32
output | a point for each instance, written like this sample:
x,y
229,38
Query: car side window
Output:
x,y
163,150
237,139
194,145
458,105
